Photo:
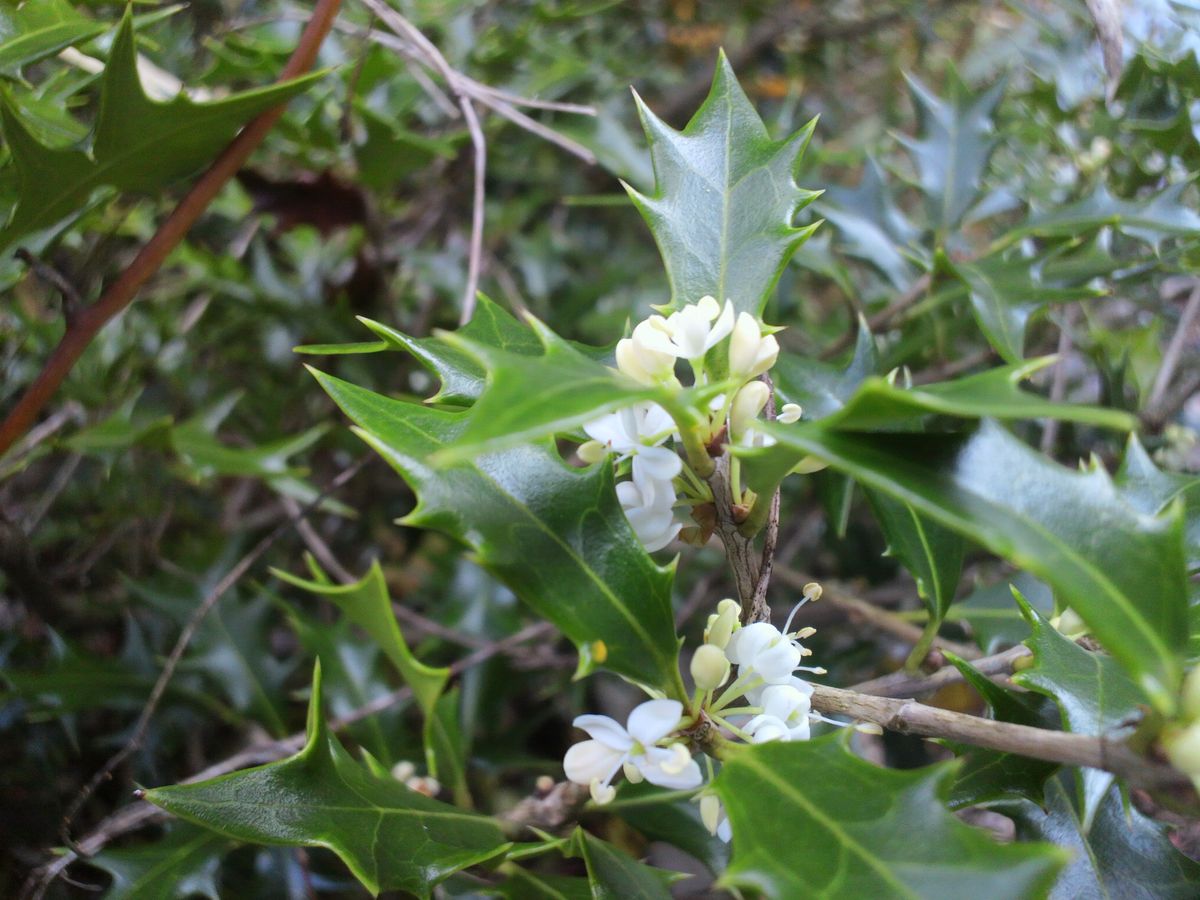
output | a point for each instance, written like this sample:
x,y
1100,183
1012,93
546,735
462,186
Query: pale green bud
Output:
x,y
710,812
721,628
791,412
710,667
1183,748
592,452
1069,624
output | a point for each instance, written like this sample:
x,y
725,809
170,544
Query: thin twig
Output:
x,y
232,577
902,684
88,321
1058,384
1175,348
1068,748
71,298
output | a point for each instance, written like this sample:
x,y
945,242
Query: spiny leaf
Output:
x,y
956,142
390,837
864,831
1122,571
138,145
1152,490
555,535
1149,219
725,200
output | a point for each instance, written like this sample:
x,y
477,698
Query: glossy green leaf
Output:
x,y
1005,292
461,373
1123,855
1121,570
525,885
725,199
1152,490
138,144
988,775
390,837
184,864
38,28
614,875
956,141
864,831
930,552
555,535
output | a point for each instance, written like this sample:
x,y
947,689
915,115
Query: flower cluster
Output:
x,y
720,349
766,701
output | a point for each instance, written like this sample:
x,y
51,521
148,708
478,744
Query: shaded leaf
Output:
x,y
1149,218
1122,571
183,864
390,837
931,553
555,535
725,198
994,619
865,831
38,28
1152,490
870,225
665,816
614,875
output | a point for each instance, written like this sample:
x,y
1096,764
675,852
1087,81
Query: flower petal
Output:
x,y
605,730
748,642
658,463
653,720
650,765
590,760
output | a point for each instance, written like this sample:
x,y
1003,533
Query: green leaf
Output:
x,y
1149,219
390,837
820,388
956,143
1152,490
138,145
38,28
864,831
181,865
1122,571
461,373
555,535
1122,856
995,621
613,875
663,815
1005,292
870,225
988,775
931,553
725,199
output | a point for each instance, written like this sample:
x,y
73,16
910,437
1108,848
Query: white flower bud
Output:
x,y
403,770
1069,624
710,667
747,404
721,626
640,357
728,604
790,413
632,773
1183,748
601,793
751,354
710,812
592,452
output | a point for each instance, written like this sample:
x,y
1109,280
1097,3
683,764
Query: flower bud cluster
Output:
x,y
719,346
656,742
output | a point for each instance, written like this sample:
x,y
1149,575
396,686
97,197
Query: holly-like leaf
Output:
x,y
725,198
956,141
1005,292
1123,855
1152,490
38,28
820,388
1149,219
870,225
390,837
138,144
613,874
988,775
181,865
1121,570
555,535
931,553
865,831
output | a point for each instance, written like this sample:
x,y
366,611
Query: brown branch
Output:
x,y
87,322
902,684
1067,748
1174,349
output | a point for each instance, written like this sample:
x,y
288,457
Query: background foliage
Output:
x,y
983,205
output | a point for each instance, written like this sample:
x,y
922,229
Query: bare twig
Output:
x,y
232,577
1067,748
771,538
1175,348
88,321
1058,385
71,299
902,684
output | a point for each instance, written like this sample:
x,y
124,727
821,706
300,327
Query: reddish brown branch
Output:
x,y
84,326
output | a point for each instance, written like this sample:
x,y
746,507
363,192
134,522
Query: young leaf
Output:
x,y
1123,855
138,145
725,200
183,864
390,837
555,535
1122,571
865,831
957,140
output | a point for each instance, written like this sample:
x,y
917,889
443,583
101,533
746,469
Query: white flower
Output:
x,y
648,505
640,358
750,352
689,332
597,761
784,715
748,402
763,648
638,431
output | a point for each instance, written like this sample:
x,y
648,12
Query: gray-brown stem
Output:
x,y
743,559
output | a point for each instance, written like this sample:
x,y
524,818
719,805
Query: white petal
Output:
x,y
605,730
777,662
749,640
708,307
658,463
654,420
660,539
783,702
610,430
767,728
629,495
722,328
653,720
724,831
800,732
651,766
590,760
651,337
